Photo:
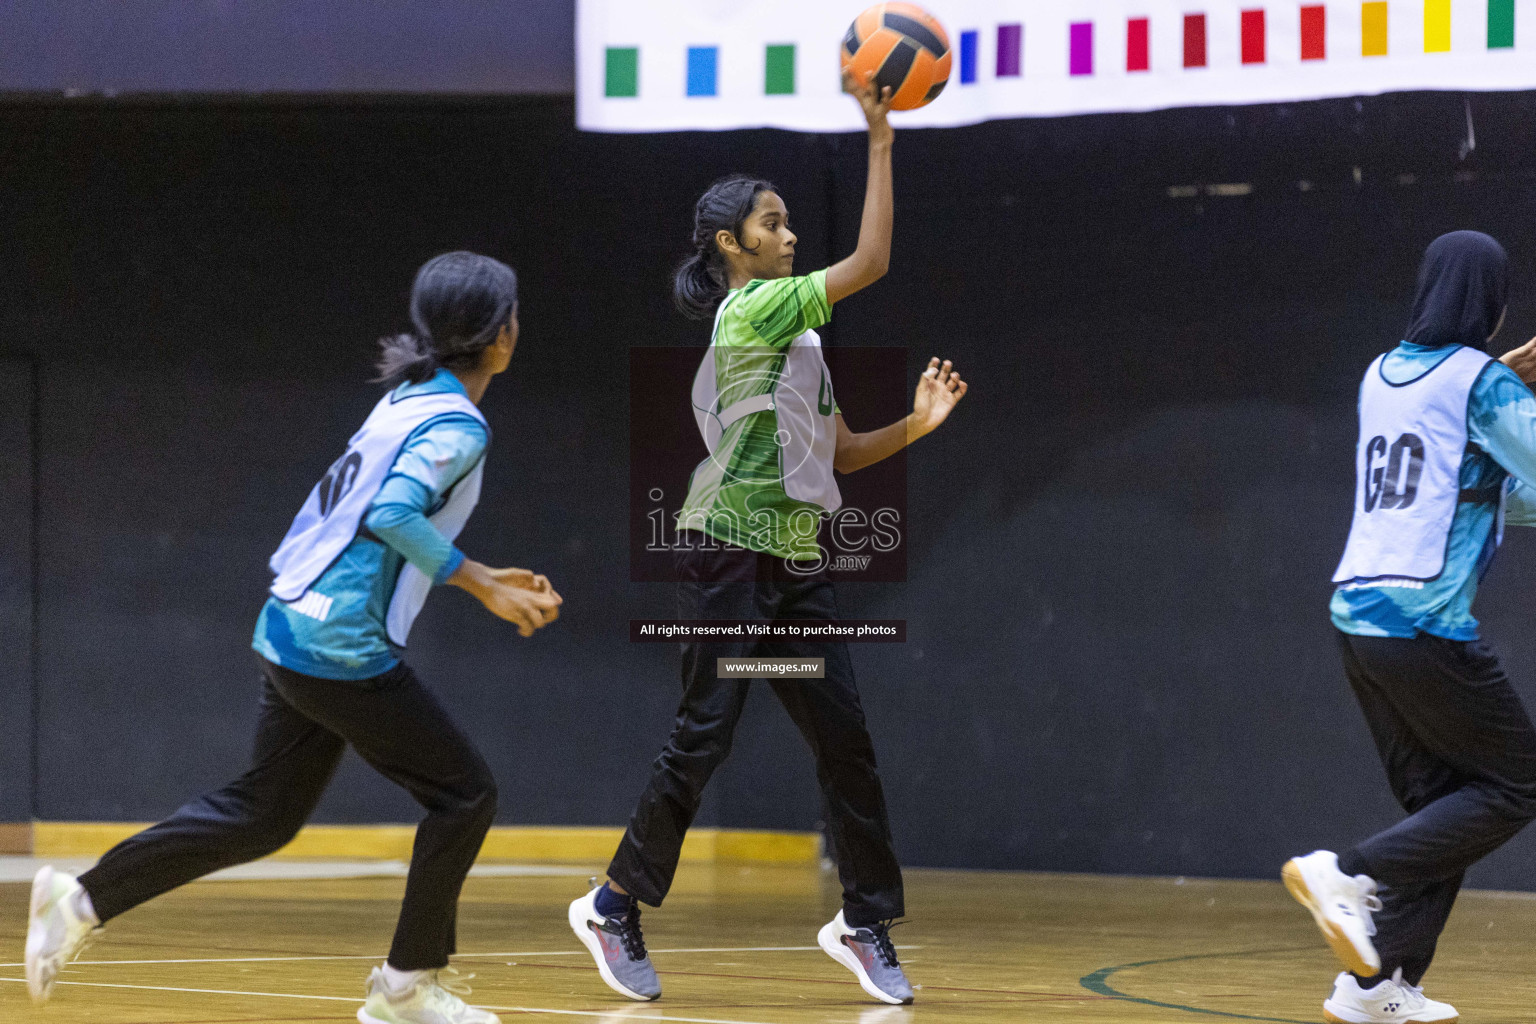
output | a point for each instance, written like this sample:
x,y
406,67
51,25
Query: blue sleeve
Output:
x,y
1520,506
427,467
1501,419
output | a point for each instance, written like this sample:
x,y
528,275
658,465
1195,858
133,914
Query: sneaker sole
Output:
x,y
832,945
579,924
1344,1016
364,1017
1337,941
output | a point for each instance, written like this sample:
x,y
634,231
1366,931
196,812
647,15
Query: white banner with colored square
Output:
x,y
668,65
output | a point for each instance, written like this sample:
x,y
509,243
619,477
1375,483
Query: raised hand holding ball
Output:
x,y
904,48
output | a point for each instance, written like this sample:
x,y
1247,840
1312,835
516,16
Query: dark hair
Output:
x,y
700,279
459,303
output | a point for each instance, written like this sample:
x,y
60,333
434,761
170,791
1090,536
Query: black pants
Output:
x,y
398,726
1460,754
733,583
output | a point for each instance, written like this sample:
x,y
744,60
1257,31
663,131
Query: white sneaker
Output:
x,y
1391,1002
1340,905
56,931
429,1000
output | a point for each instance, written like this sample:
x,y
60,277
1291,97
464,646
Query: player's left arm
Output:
x,y
939,390
871,258
426,467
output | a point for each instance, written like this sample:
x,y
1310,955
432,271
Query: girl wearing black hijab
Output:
x,y
1444,429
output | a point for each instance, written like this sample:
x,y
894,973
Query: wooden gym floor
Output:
x,y
736,945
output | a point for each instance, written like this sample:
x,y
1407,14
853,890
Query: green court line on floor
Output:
x,y
1098,983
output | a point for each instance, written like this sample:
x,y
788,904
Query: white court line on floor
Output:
x,y
625,1013
380,956
21,869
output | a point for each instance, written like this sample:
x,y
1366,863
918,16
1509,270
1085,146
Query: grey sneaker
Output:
x,y
868,953
617,946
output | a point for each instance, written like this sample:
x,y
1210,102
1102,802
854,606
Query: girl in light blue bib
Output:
x,y
374,536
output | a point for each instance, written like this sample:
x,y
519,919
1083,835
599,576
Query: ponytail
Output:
x,y
699,282
404,357
460,301
697,287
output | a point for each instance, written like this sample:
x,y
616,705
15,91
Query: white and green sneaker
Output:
x,y
426,999
58,925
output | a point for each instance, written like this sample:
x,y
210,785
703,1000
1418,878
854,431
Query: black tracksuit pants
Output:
x,y
1460,754
727,582
397,726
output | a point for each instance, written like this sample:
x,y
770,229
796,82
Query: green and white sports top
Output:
x,y
763,402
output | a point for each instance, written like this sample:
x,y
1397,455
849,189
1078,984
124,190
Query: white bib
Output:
x,y
331,515
802,404
1408,470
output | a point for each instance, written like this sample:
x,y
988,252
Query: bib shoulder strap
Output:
x,y
745,407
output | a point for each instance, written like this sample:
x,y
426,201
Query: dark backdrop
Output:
x,y
117,47
16,575
1119,654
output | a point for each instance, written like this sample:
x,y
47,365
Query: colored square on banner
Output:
x,y
779,70
1253,37
703,70
1314,32
1138,44
1080,48
1194,40
622,77
1501,24
1373,28
1010,50
968,48
1437,26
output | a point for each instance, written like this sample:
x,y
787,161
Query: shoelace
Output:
x,y
441,993
458,984
629,932
883,944
1416,998
86,943
1366,887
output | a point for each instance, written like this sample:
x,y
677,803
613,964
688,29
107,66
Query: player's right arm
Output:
x,y
1502,421
872,257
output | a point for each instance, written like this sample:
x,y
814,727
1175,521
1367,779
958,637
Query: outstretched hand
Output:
x,y
874,101
526,579
1522,360
939,390
519,596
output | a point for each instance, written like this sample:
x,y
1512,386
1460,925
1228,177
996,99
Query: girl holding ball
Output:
x,y
748,538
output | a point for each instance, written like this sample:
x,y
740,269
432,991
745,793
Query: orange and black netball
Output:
x,y
904,47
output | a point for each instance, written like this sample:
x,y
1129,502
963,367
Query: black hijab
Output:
x,y
1463,286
